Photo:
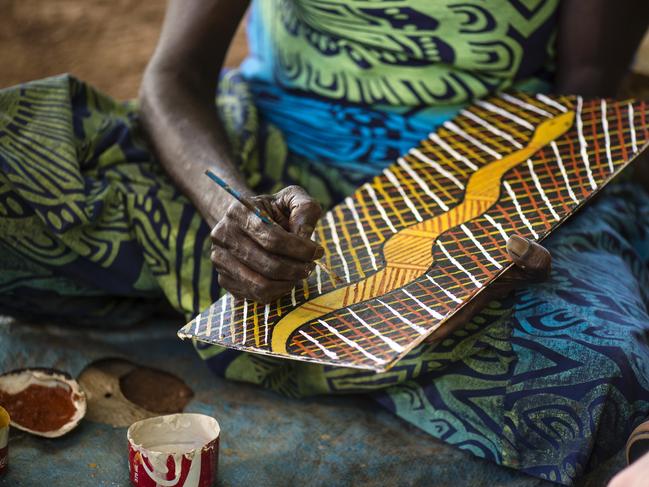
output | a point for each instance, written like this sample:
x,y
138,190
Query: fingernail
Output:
x,y
309,268
518,246
319,252
305,231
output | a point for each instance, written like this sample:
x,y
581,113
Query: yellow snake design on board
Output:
x,y
408,254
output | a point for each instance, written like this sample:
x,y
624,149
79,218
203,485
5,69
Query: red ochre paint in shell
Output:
x,y
40,408
4,440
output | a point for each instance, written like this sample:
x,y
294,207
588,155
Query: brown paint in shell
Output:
x,y
40,408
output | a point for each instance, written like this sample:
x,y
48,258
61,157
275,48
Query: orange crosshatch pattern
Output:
x,y
428,234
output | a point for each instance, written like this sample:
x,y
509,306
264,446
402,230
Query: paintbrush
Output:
x,y
261,214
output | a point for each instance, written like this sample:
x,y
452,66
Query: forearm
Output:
x,y
177,106
179,115
596,42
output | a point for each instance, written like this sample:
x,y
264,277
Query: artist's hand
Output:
x,y
263,262
533,263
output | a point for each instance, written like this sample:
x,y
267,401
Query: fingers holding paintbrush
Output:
x,y
261,247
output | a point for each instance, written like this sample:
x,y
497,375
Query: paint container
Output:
x,y
4,440
173,451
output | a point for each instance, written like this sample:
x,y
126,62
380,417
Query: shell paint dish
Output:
x,y
44,402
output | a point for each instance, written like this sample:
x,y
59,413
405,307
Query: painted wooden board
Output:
x,y
427,235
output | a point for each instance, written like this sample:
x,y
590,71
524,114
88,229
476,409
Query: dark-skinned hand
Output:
x,y
263,262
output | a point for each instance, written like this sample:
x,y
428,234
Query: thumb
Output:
x,y
303,211
533,261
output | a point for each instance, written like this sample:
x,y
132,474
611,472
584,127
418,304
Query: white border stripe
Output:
x,y
223,306
393,179
405,320
504,113
607,137
361,231
550,102
512,195
452,152
245,321
266,313
339,250
525,105
318,278
494,130
459,266
370,191
208,325
328,353
583,145
484,148
445,291
484,252
539,188
391,343
634,142
428,310
350,343
553,144
422,184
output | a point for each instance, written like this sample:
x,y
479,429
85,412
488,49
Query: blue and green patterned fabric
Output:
x,y
380,75
549,381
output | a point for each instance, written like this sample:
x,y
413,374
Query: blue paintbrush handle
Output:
x,y
236,195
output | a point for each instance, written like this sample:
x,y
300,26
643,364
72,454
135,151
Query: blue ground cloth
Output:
x,y
267,439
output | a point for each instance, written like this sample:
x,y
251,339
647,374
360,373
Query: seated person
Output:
x,y
94,229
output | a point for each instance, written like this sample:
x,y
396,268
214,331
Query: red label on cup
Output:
x,y
178,450
197,470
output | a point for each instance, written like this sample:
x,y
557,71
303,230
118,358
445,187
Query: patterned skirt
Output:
x,y
549,381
